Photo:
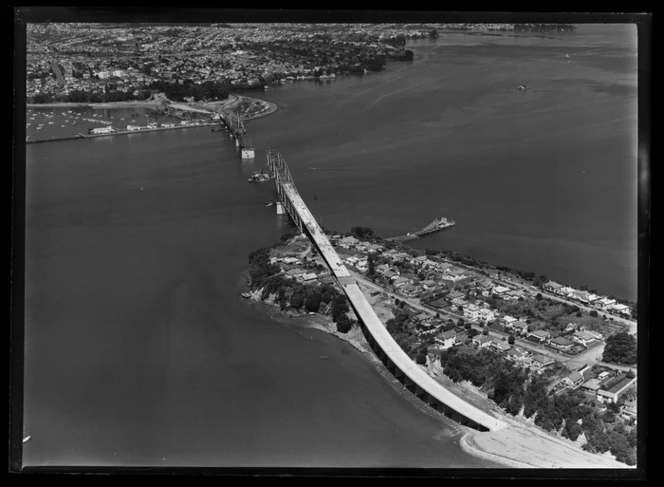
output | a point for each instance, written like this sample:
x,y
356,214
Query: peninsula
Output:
x,y
539,370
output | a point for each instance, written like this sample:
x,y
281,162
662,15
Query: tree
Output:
x,y
297,300
421,357
538,296
593,313
620,348
371,272
511,339
339,307
344,324
313,300
485,332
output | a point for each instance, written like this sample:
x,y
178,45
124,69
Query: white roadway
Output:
x,y
375,326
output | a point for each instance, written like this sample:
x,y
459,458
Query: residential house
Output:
x,y
519,356
585,338
551,286
460,339
581,296
500,345
294,273
500,290
348,242
400,281
620,309
539,336
390,274
508,321
561,343
446,339
455,294
573,380
629,409
423,317
308,277
411,289
604,303
382,268
538,362
520,327
482,341
611,391
590,386
428,284
326,279
513,295
453,275
603,375
566,291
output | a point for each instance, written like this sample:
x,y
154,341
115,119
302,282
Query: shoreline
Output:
x,y
519,445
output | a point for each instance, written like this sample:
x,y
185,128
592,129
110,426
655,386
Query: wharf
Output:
x,y
120,132
434,226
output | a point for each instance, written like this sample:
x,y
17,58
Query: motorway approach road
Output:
x,y
591,356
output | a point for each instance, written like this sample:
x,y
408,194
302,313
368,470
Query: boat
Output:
x,y
246,295
323,357
269,203
26,439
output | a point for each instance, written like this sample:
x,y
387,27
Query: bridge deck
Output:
x,y
368,316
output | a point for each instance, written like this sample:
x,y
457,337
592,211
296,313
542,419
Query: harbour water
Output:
x,y
139,350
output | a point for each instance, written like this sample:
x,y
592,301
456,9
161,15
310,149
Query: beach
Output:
x,y
523,446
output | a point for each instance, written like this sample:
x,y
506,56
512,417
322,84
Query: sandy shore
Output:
x,y
522,446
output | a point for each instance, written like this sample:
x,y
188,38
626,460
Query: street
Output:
x,y
591,356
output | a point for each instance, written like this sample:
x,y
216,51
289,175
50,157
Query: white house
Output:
x,y
500,289
509,321
446,339
604,303
348,242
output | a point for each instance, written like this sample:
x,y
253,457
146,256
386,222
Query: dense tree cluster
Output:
x,y
620,348
309,298
362,233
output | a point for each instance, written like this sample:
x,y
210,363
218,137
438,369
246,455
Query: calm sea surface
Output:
x,y
139,350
